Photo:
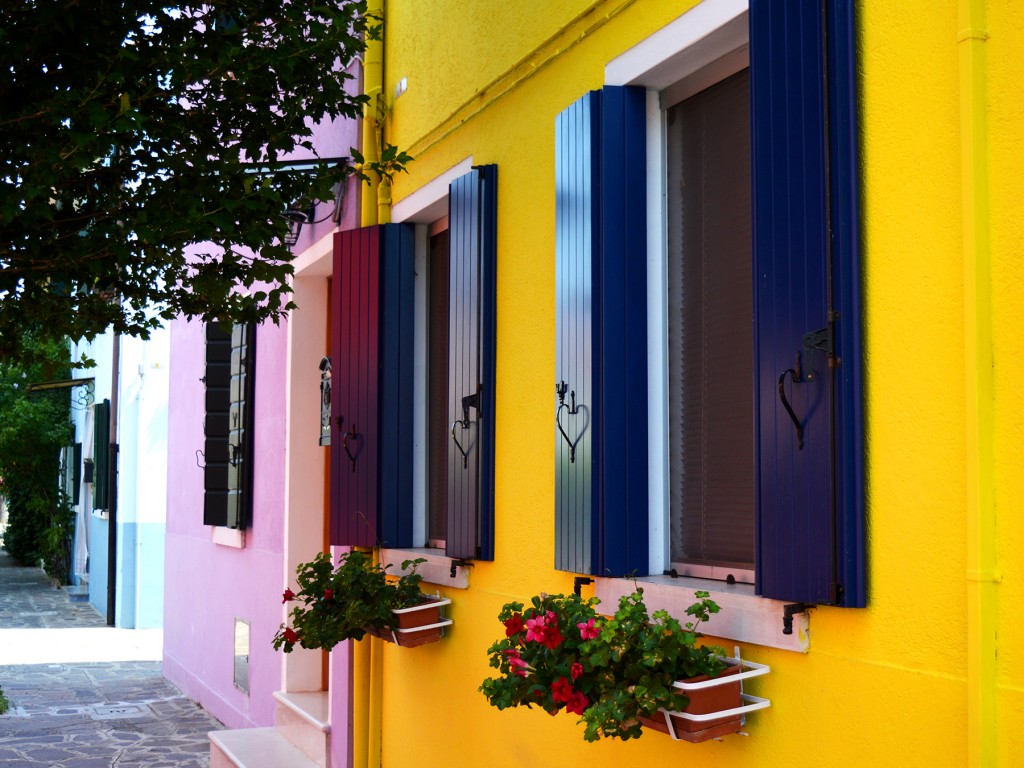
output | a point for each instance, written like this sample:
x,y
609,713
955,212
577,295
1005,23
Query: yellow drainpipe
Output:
x,y
373,86
367,701
980,411
367,669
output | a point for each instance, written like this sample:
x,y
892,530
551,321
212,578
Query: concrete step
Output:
x,y
255,748
302,718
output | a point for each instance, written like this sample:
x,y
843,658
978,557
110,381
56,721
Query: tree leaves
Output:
x,y
140,156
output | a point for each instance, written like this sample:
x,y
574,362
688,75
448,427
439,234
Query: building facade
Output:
x,y
711,295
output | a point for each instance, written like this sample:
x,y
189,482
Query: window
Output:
x,y
228,450
747,455
438,425
710,331
374,487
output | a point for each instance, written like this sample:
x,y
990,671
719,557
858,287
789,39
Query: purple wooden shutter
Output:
x,y
371,387
354,362
472,211
601,509
804,523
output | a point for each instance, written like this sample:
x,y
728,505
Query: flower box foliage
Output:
x,y
351,599
558,654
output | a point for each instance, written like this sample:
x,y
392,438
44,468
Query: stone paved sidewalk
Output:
x,y
70,711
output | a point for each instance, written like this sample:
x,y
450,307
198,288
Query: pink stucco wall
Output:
x,y
208,585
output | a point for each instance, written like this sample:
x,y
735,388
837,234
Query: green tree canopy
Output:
x,y
139,156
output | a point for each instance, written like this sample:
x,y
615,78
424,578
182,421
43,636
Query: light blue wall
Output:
x,y
140,573
98,563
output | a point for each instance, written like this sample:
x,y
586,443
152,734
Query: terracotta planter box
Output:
x,y
417,625
717,705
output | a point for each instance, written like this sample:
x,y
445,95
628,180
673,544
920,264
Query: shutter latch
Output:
x,y
821,341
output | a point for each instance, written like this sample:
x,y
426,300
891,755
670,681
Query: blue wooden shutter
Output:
x,y
395,447
472,217
371,389
809,522
601,505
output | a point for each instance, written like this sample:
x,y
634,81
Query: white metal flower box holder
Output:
x,y
748,669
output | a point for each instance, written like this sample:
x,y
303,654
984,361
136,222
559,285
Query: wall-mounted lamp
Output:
x,y
296,217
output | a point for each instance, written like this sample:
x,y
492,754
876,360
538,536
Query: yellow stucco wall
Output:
x,y
880,686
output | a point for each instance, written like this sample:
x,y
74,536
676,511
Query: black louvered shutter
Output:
x,y
230,386
807,353
101,455
216,446
601,497
472,217
372,387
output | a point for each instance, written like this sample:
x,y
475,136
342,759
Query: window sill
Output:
x,y
745,617
228,537
436,570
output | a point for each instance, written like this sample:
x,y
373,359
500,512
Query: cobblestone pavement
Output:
x,y
84,713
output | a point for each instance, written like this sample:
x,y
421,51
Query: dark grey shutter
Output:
x,y
372,385
76,473
472,216
240,426
810,510
101,455
601,507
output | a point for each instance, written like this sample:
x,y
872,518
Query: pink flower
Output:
x,y
290,635
535,629
561,690
577,703
514,625
511,653
288,595
587,630
518,666
328,593
575,670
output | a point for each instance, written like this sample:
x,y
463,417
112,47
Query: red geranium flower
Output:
x,y
577,703
552,636
328,593
575,670
561,690
514,625
288,595
290,635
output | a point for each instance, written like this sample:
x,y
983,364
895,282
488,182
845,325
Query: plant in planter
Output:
x,y
616,672
355,598
542,657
